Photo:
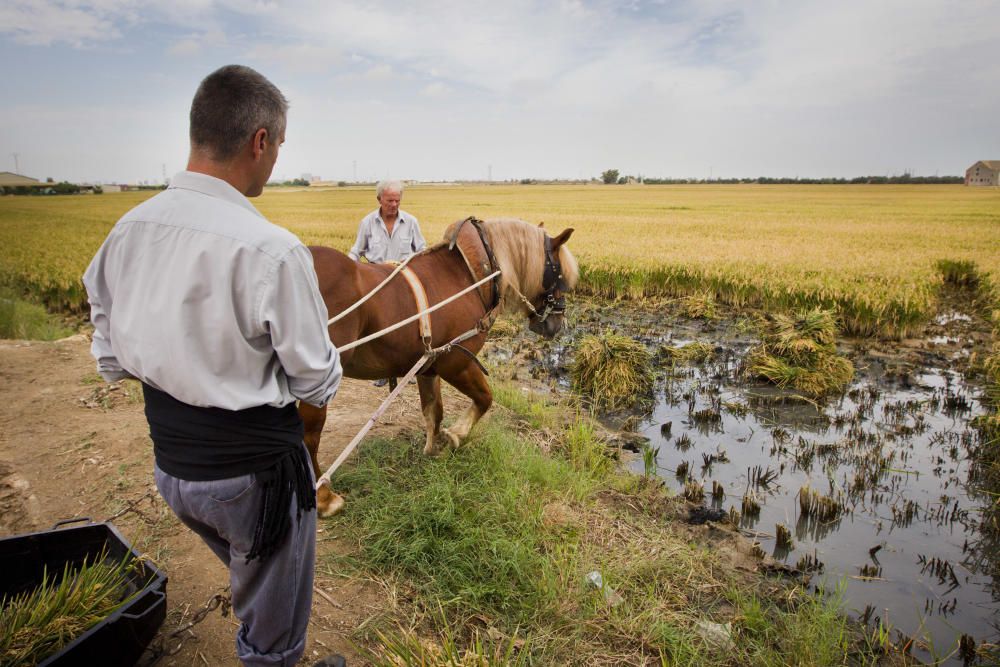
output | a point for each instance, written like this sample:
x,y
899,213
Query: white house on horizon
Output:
x,y
984,172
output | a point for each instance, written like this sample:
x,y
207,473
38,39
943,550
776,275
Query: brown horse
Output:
x,y
536,271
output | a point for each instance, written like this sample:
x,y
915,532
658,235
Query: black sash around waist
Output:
x,y
203,444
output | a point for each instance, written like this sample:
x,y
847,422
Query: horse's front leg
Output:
x,y
328,503
430,405
470,380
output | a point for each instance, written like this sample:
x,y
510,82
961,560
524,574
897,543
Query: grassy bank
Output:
x,y
877,255
22,320
494,550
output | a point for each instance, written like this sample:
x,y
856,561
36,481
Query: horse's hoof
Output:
x,y
453,440
327,507
431,449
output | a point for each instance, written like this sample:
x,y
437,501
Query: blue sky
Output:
x,y
100,90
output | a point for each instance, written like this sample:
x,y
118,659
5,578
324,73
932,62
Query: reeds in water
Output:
x,y
815,505
783,537
694,491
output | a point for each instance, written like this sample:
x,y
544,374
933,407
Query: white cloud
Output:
x,y
541,88
195,44
302,57
379,72
42,24
436,89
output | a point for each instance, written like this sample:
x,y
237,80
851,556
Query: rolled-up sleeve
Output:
x,y
361,242
293,312
100,299
418,239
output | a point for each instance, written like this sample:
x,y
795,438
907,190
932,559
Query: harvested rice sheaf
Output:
x,y
800,352
37,623
694,353
615,371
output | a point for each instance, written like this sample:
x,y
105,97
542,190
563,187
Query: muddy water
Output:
x,y
893,450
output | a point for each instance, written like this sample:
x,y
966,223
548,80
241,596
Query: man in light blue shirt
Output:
x,y
218,312
388,234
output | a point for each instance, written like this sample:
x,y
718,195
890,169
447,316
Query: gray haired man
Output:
x,y
387,234
218,313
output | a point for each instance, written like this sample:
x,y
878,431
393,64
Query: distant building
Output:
x,y
984,172
11,180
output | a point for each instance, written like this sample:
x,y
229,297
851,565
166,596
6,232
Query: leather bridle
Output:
x,y
553,286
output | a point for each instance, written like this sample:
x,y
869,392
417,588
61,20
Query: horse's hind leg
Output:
x,y
470,380
430,404
328,503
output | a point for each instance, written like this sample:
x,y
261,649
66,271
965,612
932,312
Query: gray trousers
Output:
x,y
273,599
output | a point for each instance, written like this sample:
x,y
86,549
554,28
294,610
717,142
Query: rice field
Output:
x,y
874,254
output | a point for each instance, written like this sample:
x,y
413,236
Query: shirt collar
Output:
x,y
399,216
211,186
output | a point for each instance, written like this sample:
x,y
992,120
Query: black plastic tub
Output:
x,y
119,639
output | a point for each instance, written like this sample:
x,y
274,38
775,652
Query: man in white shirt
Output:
x,y
218,313
387,234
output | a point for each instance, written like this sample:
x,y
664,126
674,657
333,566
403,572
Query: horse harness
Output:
x,y
553,286
478,254
474,247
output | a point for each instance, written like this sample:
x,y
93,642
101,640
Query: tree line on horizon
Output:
x,y
612,176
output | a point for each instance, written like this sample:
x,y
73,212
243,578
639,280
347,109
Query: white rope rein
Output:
x,y
427,356
382,284
402,323
325,477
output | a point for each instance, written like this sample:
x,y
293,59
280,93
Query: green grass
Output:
x,y
810,630
491,546
22,320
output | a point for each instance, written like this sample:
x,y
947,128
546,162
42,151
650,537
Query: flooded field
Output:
x,y
873,490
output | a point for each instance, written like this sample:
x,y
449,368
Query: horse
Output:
x,y
536,272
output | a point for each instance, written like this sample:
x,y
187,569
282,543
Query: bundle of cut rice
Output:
x,y
615,371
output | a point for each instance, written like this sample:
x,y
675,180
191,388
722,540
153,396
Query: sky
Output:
x,y
100,90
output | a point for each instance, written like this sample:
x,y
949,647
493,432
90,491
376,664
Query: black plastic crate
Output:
x,y
118,640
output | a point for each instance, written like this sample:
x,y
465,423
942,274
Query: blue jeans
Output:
x,y
273,599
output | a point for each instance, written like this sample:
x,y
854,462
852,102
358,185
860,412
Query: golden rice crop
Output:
x,y
871,253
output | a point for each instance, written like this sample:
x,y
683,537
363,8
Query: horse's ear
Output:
x,y
562,238
541,224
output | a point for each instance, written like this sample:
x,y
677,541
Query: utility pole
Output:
x,y
355,171
17,167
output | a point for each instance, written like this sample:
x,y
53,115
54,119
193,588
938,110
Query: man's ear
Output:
x,y
260,139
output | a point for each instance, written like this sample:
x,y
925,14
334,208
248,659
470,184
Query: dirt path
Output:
x,y
72,446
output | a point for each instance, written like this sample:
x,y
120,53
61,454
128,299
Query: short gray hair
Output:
x,y
392,186
231,104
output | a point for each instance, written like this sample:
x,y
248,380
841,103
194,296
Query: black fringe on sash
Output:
x,y
288,476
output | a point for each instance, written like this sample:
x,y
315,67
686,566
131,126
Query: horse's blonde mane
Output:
x,y
519,247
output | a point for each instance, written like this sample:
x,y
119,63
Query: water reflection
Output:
x,y
892,454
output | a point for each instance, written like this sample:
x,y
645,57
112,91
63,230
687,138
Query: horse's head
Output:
x,y
560,275
537,271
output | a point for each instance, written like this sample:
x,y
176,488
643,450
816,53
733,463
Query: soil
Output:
x,y
72,446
